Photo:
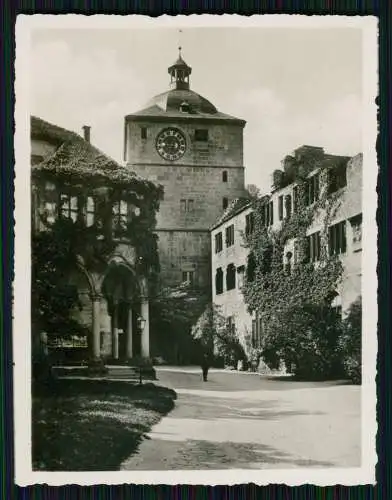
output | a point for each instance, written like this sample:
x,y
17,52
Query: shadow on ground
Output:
x,y
81,425
200,454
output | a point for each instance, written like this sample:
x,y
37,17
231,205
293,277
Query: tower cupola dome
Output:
x,y
179,73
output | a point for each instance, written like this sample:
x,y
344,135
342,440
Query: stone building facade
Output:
x,y
181,141
114,297
230,255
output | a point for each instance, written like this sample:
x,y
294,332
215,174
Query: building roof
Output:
x,y
78,159
168,105
234,208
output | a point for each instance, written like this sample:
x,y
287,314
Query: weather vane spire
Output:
x,y
179,42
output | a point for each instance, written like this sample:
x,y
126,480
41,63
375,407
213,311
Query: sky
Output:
x,y
292,86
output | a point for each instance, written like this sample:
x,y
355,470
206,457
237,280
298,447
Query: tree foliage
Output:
x,y
351,342
173,311
216,337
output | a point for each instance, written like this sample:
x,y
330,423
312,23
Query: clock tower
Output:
x,y
181,141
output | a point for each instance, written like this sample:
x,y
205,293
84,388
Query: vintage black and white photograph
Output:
x,y
195,282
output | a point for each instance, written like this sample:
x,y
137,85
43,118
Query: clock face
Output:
x,y
171,144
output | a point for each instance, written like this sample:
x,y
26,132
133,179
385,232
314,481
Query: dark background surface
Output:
x,y
383,10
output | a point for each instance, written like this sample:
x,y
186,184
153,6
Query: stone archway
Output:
x,y
121,289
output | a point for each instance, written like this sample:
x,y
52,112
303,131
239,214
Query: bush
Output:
x,y
309,346
350,342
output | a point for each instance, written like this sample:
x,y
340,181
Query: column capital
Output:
x,y
96,297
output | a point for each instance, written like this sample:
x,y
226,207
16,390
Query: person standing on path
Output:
x,y
205,365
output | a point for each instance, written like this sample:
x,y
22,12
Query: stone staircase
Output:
x,y
115,372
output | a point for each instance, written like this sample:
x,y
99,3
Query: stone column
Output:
x,y
106,330
129,351
96,309
115,352
146,331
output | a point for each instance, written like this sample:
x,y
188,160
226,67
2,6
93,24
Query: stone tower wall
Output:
x,y
194,188
223,148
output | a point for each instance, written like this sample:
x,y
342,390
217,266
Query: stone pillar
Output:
x,y
146,331
129,351
106,330
115,352
96,309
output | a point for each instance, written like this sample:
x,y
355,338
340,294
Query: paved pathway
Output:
x,y
242,421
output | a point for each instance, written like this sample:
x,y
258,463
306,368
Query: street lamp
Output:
x,y
141,323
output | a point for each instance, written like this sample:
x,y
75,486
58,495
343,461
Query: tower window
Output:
x,y
186,205
224,176
225,203
188,277
185,106
144,133
201,135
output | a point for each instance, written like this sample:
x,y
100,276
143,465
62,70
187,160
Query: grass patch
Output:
x,y
81,425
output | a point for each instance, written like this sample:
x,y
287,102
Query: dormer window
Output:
x,y
143,133
185,107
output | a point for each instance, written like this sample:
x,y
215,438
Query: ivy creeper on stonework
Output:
x,y
293,301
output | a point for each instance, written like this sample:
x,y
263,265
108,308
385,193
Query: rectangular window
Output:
x,y
337,238
271,213
280,207
230,277
50,212
288,206
90,211
225,203
313,247
120,215
69,206
188,277
201,135
337,178
143,131
356,227
231,324
219,281
240,276
312,189
295,198
230,236
186,205
218,243
249,223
